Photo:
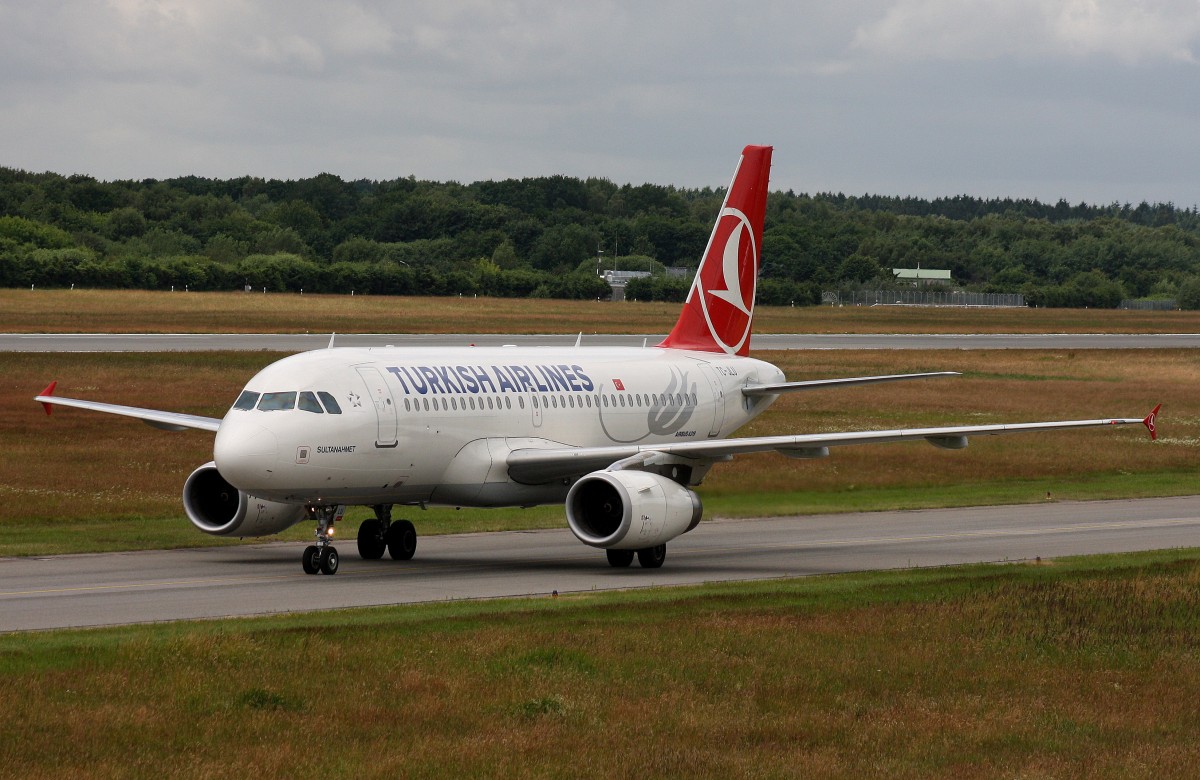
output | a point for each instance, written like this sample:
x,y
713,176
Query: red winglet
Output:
x,y
1149,423
48,391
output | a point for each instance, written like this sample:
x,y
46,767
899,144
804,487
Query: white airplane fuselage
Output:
x,y
436,425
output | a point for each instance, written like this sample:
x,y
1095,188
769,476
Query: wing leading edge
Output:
x,y
537,466
167,421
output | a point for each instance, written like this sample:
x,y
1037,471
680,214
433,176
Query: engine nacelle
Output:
x,y
218,508
630,510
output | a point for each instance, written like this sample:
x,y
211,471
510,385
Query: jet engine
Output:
x,y
218,508
630,510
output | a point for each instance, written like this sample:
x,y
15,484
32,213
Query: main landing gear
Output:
x,y
649,558
323,556
381,533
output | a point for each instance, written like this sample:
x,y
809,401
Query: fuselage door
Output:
x,y
385,407
718,395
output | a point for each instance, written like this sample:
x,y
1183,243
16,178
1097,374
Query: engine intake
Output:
x,y
218,508
630,510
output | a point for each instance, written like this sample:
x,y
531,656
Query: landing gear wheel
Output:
x,y
619,559
371,544
310,559
328,560
401,540
652,557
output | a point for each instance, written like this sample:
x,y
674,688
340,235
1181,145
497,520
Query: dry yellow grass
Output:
x,y
136,311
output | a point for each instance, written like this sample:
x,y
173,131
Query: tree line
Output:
x,y
549,236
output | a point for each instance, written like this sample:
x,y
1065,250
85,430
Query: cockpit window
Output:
x,y
277,401
308,403
331,404
246,401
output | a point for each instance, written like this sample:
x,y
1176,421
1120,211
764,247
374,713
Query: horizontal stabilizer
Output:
x,y
821,384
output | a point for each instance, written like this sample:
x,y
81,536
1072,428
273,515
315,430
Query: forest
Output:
x,y
548,237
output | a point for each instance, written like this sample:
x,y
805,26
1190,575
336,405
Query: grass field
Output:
x,y
113,311
81,481
1074,668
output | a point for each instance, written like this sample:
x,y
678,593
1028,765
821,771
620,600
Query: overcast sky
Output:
x,y
1094,100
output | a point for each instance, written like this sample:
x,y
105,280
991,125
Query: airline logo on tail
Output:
x,y
733,282
719,311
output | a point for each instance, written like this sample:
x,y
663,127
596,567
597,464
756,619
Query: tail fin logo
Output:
x,y
727,288
719,311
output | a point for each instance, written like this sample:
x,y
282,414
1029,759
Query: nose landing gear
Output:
x,y
323,556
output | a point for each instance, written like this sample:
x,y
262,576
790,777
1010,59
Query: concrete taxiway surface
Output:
x,y
284,342
109,589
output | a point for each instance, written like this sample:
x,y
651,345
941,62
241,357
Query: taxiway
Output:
x,y
119,588
300,342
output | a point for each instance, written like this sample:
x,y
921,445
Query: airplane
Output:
x,y
619,436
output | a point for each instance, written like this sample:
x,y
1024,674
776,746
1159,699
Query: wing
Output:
x,y
819,384
538,466
167,421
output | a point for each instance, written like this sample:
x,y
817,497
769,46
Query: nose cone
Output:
x,y
246,454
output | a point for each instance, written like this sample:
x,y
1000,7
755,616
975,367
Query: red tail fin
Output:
x,y
719,310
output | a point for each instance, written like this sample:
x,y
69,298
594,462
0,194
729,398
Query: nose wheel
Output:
x,y
323,557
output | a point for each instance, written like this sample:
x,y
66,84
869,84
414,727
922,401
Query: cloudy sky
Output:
x,y
1093,100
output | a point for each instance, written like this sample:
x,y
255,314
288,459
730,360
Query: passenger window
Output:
x,y
246,401
274,402
406,408
308,403
331,404
507,403
521,401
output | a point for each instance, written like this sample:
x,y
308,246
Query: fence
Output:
x,y
921,298
1167,304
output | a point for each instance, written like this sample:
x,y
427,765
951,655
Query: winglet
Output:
x,y
1149,423
48,391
